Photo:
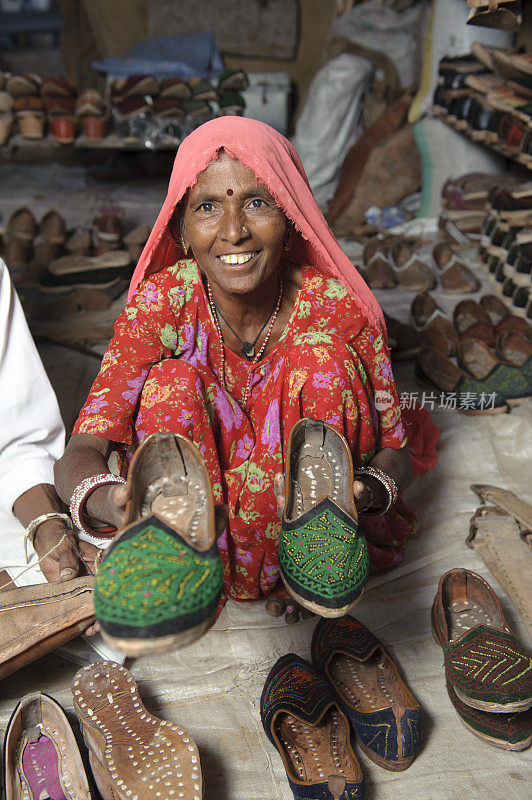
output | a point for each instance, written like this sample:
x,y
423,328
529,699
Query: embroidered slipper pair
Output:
x,y
309,713
487,670
160,581
323,557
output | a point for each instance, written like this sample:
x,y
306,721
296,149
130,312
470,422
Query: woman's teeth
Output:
x,y
237,258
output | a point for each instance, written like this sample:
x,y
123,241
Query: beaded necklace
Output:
x,y
256,357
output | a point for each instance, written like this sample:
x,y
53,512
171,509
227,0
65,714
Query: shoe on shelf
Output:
x,y
410,271
456,277
472,322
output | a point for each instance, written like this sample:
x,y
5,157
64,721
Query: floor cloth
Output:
x,y
212,688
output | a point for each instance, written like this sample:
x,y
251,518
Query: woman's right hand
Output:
x,y
108,504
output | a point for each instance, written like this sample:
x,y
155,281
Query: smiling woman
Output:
x,y
243,317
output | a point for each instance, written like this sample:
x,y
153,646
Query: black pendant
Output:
x,y
248,350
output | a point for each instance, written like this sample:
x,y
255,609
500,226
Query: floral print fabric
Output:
x,y
163,372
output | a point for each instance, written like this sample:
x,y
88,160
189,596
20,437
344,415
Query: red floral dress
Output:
x,y
162,372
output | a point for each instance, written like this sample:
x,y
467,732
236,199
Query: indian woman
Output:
x,y
244,316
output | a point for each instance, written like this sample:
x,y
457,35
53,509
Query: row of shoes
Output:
x,y
177,98
135,107
396,262
39,104
505,247
311,713
492,350
61,259
353,691
486,320
487,96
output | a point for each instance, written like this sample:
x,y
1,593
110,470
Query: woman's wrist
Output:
x,y
382,488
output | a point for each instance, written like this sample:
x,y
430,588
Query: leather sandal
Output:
x,y
305,723
409,270
131,752
488,668
455,275
323,558
384,714
507,380
433,325
378,271
160,581
41,755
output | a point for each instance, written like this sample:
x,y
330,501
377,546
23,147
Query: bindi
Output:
x,y
229,192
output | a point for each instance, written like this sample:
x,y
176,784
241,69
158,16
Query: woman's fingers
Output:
x,y
363,496
358,489
120,495
57,557
278,489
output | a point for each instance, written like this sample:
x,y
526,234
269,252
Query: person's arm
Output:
x,y
32,437
87,455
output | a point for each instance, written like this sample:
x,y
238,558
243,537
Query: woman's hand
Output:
x,y
62,564
368,492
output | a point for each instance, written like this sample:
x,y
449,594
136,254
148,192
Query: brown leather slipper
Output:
x,y
132,753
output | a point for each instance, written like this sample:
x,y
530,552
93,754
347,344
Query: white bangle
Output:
x,y
388,484
79,498
31,530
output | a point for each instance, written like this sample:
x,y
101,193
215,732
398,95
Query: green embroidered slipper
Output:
x,y
160,581
323,558
487,667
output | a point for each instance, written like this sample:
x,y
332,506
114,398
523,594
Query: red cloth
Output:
x,y
162,372
423,436
276,164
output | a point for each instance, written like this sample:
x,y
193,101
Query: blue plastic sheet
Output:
x,y
167,57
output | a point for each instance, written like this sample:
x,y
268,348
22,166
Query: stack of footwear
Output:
x,y
20,233
132,754
59,96
493,350
465,202
488,672
353,690
483,380
487,96
28,105
91,110
505,247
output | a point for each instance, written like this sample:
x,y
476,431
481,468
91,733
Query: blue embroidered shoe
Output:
x,y
305,724
383,713
323,558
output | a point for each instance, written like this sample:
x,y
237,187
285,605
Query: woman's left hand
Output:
x,y
367,493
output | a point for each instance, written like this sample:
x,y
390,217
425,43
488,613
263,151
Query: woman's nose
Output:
x,y
233,228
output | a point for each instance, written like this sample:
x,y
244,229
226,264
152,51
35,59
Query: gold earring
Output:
x,y
288,245
245,231
183,245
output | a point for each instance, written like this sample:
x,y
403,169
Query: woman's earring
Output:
x,y
288,245
183,245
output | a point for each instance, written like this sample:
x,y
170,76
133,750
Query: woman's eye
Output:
x,y
257,203
206,207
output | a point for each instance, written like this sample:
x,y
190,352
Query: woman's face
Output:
x,y
235,229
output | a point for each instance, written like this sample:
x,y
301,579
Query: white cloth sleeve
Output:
x,y
32,435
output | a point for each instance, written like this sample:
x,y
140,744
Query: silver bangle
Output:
x,y
31,530
387,482
80,495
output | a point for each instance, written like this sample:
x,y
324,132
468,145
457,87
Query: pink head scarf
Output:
x,y
276,164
